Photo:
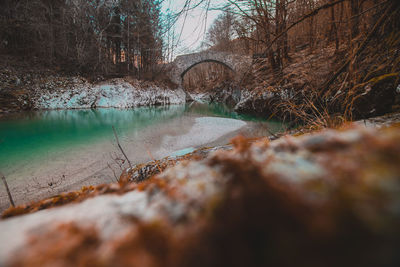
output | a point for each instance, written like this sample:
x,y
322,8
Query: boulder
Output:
x,y
378,96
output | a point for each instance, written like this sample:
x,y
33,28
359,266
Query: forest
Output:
x,y
84,36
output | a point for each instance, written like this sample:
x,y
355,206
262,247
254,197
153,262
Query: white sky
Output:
x,y
191,30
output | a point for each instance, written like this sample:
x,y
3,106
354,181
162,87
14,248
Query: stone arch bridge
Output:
x,y
182,64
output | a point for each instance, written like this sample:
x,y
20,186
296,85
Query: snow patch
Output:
x,y
116,93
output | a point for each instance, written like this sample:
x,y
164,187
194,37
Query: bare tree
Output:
x,y
79,35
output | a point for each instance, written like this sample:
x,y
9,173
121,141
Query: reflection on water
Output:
x,y
29,136
221,110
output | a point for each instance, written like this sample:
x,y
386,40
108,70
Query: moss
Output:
x,y
376,71
390,77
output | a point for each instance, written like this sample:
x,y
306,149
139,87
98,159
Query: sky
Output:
x,y
191,28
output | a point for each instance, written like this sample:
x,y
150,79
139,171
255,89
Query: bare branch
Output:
x,y
119,145
8,190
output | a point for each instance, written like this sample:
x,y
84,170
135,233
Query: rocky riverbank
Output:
x,y
78,93
23,87
116,93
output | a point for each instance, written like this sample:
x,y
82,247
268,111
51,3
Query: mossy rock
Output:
x,y
378,97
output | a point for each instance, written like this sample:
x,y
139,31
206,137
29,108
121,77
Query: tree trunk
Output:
x,y
311,34
128,50
333,34
354,6
285,36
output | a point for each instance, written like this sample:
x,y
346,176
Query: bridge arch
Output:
x,y
205,61
182,64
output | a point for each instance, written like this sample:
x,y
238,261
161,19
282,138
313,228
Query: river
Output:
x,y
70,148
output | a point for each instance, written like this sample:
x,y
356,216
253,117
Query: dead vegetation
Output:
x,y
319,63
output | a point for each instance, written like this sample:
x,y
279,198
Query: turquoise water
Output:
x,y
27,137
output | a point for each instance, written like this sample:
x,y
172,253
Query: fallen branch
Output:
x,y
115,176
8,190
119,145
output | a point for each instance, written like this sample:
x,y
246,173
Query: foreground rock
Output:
x,y
326,199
